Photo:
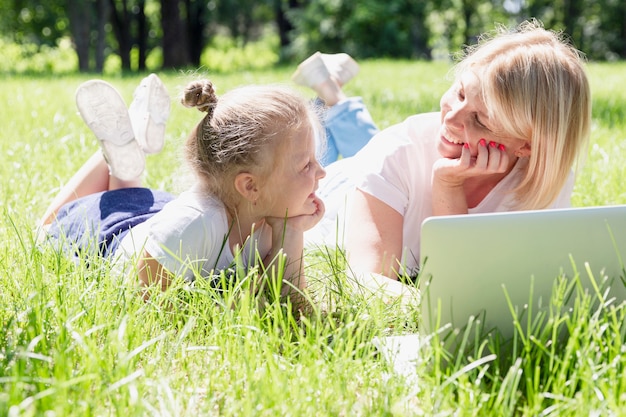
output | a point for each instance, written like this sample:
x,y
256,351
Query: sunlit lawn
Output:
x,y
78,341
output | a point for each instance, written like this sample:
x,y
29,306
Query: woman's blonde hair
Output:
x,y
242,132
534,84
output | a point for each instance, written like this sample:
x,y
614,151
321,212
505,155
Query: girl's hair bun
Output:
x,y
200,94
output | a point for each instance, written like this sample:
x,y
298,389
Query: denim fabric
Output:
x,y
95,224
349,126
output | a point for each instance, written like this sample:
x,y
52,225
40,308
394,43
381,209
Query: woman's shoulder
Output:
x,y
426,124
415,131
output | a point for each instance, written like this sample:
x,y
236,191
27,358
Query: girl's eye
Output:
x,y
461,94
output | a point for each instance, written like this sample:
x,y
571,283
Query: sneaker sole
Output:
x,y
311,72
104,111
149,123
342,66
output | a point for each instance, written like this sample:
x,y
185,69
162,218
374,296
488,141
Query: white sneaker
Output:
x,y
149,112
341,66
311,72
319,67
104,111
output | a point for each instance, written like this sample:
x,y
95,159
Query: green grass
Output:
x,y
79,341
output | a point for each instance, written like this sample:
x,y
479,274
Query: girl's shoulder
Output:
x,y
192,208
197,199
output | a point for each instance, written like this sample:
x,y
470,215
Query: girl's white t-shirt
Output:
x,y
189,237
396,167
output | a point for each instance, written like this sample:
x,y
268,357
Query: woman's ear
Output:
x,y
246,184
523,151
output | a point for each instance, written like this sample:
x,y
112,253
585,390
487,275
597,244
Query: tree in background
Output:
x,y
284,25
368,28
175,38
87,20
124,18
183,29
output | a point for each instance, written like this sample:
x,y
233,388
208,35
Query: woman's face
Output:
x,y
464,120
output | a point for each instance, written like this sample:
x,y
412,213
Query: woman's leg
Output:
x,y
349,125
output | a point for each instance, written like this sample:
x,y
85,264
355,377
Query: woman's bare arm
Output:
x,y
374,236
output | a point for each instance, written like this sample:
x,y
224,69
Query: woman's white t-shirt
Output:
x,y
396,167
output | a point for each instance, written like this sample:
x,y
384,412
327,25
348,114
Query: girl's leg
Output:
x,y
93,177
123,134
120,162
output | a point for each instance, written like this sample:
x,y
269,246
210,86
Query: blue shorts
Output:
x,y
95,224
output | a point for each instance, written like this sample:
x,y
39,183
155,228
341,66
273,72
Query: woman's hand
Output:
x,y
491,158
450,176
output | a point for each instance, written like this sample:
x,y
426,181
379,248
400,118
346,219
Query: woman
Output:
x,y
508,134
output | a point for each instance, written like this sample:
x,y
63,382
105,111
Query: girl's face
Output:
x,y
464,120
290,188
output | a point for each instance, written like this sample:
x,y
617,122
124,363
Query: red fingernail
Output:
x,y
501,147
493,144
482,142
466,145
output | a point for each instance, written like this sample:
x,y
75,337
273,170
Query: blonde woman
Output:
x,y
507,137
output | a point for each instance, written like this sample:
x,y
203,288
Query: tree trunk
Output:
x,y
121,21
142,35
572,11
196,24
80,26
175,42
284,25
103,18
419,39
622,50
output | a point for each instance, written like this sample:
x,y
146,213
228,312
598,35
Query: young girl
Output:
x,y
256,172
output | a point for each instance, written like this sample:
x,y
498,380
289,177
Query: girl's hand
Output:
x,y
299,223
288,239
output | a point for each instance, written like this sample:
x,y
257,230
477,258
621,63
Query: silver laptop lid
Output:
x,y
472,263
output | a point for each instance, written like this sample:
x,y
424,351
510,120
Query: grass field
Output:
x,y
77,341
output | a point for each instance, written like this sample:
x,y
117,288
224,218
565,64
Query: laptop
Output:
x,y
480,266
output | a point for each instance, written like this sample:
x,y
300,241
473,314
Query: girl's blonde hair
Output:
x,y
242,132
534,84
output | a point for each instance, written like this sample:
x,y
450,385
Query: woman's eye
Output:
x,y
481,124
